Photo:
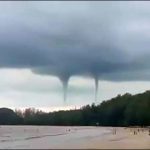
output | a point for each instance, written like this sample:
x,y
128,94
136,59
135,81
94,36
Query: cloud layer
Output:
x,y
105,39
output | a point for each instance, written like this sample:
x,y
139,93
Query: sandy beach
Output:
x,y
54,137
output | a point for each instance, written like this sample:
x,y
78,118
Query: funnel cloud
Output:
x,y
96,88
103,40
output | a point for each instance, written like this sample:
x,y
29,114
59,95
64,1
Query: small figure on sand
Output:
x,y
68,130
135,132
114,131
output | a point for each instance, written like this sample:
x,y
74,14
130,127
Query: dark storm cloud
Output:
x,y
108,40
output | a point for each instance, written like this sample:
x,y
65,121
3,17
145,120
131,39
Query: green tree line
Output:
x,y
125,110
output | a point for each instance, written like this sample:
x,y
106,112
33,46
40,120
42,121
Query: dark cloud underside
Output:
x,y
105,39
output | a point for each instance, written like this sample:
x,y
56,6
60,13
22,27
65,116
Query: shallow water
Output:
x,y
45,136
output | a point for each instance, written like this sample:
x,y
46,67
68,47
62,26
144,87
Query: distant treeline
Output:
x,y
126,110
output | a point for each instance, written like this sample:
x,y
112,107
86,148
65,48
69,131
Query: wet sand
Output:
x,y
54,137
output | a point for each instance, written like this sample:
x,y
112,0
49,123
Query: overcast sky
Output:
x,y
45,44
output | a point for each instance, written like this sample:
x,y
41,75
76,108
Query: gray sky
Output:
x,y
42,42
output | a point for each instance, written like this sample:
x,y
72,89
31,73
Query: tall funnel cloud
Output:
x,y
64,81
65,89
96,88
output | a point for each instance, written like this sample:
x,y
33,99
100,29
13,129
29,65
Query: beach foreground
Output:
x,y
54,137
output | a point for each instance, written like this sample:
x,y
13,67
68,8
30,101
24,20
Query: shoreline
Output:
x,y
73,137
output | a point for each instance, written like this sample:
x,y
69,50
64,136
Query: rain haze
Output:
x,y
77,52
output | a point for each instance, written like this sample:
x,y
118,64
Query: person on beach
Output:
x,y
114,131
68,130
135,132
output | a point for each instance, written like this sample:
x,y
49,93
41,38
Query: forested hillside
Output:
x,y
125,110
